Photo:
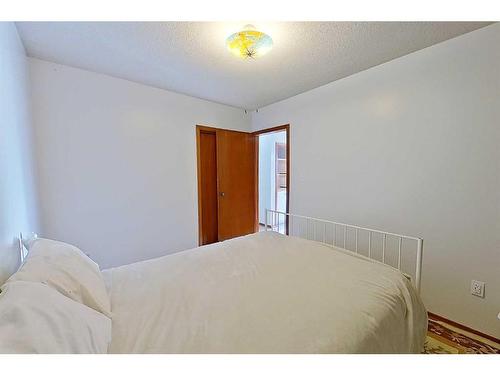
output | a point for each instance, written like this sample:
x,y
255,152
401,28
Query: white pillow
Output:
x,y
37,319
68,270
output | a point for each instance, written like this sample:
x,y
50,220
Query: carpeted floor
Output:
x,y
443,338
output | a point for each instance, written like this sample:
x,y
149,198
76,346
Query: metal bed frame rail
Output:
x,y
23,241
325,231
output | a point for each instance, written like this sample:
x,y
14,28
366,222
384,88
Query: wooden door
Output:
x,y
227,184
237,171
207,187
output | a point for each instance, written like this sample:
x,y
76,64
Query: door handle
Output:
x,y
222,194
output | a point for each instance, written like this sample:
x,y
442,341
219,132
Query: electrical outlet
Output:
x,y
477,288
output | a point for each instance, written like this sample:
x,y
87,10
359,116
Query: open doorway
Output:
x,y
273,176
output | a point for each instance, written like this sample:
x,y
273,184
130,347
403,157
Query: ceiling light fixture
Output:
x,y
249,43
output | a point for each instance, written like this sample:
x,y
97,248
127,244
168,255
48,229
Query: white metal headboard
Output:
x,y
24,240
351,239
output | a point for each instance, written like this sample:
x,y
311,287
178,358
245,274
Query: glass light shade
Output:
x,y
249,43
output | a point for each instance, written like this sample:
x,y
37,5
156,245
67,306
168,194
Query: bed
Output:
x,y
267,293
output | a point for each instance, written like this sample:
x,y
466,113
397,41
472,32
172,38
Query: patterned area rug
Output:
x,y
443,338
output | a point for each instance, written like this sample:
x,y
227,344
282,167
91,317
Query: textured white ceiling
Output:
x,y
191,58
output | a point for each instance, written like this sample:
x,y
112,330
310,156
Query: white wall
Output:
x,y
18,210
412,146
265,152
117,162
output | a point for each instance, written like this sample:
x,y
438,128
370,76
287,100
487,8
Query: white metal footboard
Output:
x,y
385,247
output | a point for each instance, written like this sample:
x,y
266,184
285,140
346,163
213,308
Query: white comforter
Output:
x,y
263,293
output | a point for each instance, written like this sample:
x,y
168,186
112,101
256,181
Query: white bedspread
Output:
x,y
263,293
